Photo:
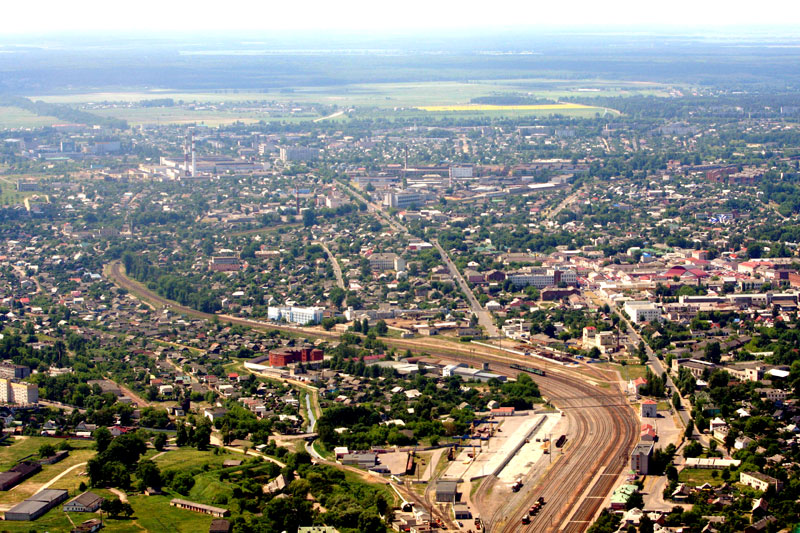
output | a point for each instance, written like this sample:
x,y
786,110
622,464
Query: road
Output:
x,y
484,318
552,213
337,270
605,426
654,362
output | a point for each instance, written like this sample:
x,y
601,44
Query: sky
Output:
x,y
34,17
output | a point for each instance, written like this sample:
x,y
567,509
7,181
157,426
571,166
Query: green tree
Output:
x,y
160,441
46,450
102,438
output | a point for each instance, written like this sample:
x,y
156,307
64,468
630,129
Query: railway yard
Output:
x,y
600,426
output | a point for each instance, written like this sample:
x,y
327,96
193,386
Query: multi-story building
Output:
x,y
298,154
224,263
296,315
287,356
640,311
541,278
387,261
461,171
18,392
640,458
759,481
11,371
405,199
605,341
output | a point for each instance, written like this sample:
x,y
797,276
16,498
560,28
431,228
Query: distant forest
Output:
x,y
217,64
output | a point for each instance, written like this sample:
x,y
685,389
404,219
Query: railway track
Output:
x,y
600,438
604,426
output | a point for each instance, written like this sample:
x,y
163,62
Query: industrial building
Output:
x,y
447,491
219,512
17,473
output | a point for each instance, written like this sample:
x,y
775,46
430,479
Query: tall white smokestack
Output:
x,y
194,165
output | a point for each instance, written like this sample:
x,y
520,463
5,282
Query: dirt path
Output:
x,y
122,496
138,400
62,474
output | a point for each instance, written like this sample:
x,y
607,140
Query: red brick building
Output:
x,y
286,356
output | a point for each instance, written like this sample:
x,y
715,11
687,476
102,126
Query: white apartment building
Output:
x,y
296,315
541,278
640,311
387,261
404,199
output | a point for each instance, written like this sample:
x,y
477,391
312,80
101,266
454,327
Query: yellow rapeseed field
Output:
x,y
486,107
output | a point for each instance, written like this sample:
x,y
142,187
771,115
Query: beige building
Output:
x,y
387,261
759,481
18,392
605,341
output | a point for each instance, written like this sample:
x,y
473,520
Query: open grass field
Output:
x,y
486,107
370,100
17,448
16,117
178,115
386,95
151,513
698,476
190,456
33,484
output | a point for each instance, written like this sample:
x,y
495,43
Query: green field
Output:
x,y
386,95
16,117
10,455
151,513
699,476
177,115
374,100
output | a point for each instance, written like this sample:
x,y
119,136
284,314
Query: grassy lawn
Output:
x,y
69,481
387,491
15,449
698,476
210,490
386,95
154,513
320,449
190,456
628,372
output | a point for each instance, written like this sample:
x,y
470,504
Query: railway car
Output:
x,y
561,440
527,369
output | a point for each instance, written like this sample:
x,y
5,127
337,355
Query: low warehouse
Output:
x,y
36,505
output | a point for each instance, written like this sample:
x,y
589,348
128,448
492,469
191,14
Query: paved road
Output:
x,y
312,420
655,363
335,264
484,318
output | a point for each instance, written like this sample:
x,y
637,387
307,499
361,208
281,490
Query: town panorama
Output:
x,y
516,283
